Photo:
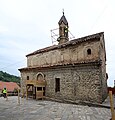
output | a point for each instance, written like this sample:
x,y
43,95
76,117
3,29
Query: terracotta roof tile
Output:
x,y
10,86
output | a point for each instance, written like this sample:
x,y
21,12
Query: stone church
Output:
x,y
72,70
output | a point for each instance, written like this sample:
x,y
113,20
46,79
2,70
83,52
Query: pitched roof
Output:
x,y
10,86
69,43
63,19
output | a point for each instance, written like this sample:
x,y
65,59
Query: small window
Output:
x,y
57,84
39,88
89,52
27,77
60,28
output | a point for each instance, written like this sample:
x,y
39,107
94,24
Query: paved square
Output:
x,y
48,110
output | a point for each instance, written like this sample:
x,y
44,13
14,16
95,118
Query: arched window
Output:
x,y
40,76
89,52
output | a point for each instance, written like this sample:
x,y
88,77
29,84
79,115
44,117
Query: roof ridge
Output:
x,y
72,42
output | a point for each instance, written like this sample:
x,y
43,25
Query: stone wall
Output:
x,y
103,67
76,82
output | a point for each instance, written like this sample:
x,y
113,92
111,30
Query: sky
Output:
x,y
25,26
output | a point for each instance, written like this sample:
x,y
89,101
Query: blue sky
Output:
x,y
25,27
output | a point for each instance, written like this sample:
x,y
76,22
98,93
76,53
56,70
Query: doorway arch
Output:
x,y
40,85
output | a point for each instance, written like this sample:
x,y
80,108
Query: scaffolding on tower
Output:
x,y
55,36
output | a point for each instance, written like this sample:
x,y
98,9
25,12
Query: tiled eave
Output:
x,y
96,62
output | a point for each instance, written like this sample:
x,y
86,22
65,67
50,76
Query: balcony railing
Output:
x,y
36,82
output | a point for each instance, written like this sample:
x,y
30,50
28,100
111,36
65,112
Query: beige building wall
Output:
x,y
73,54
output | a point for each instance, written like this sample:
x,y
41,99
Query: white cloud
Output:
x,y
3,29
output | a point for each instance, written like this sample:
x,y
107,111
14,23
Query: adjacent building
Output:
x,y
10,86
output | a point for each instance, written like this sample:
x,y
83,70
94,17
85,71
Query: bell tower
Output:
x,y
63,30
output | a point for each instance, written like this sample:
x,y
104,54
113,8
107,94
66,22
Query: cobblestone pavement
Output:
x,y
48,110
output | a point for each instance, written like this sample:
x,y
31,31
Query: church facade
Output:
x,y
72,70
